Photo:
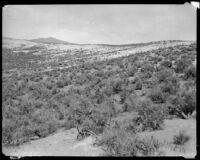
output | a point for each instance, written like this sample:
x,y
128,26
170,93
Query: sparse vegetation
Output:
x,y
181,138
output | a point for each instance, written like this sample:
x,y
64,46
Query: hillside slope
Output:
x,y
49,40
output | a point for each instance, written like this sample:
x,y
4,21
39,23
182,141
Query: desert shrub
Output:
x,y
58,109
60,84
123,95
108,107
156,59
130,103
164,75
138,85
184,104
49,85
66,80
128,121
156,95
190,72
117,85
168,89
181,138
182,64
170,86
132,80
79,108
147,68
131,71
25,108
118,142
107,90
167,64
19,136
96,121
38,104
187,102
100,97
152,116
189,85
101,114
136,81
17,130
133,58
39,91
8,128
44,121
55,91
148,146
45,128
99,73
91,117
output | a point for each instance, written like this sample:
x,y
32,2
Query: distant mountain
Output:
x,y
49,40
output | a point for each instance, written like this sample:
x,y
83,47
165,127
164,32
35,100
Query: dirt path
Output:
x,y
62,143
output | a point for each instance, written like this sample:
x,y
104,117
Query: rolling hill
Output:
x,y
51,40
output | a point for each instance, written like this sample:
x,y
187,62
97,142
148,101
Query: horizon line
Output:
x,y
97,43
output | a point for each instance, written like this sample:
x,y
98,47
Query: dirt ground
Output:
x,y
62,143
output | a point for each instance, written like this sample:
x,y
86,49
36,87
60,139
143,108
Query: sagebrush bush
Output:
x,y
147,68
183,103
117,142
117,85
138,85
170,87
164,75
190,72
8,128
182,64
181,138
156,95
60,84
152,116
167,64
130,103
148,146
96,121
49,85
128,121
187,102
131,71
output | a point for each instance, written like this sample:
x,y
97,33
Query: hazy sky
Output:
x,y
113,24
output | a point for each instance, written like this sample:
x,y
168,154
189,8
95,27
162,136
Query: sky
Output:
x,y
107,24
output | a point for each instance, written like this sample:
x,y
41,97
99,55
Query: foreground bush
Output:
x,y
184,104
152,116
181,138
117,142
